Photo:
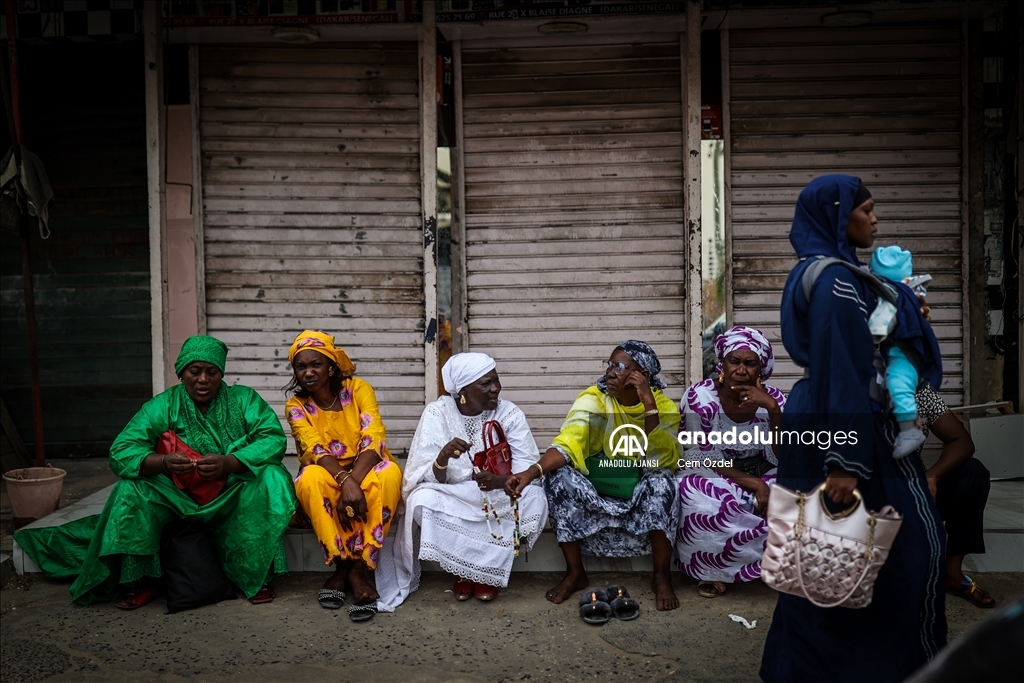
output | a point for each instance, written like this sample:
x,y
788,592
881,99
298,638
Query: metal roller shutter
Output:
x,y
574,211
311,201
882,103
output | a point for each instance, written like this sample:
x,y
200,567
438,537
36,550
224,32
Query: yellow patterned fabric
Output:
x,y
343,434
319,495
595,415
324,344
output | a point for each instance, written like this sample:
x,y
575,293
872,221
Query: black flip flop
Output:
x,y
330,598
594,607
623,606
362,610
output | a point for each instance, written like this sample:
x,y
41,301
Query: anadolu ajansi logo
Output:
x,y
628,441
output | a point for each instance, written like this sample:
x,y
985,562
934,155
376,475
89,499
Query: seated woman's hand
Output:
x,y
178,463
455,448
213,466
642,384
517,482
488,481
761,494
756,396
352,498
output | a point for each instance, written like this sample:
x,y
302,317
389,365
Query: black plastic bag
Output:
x,y
191,567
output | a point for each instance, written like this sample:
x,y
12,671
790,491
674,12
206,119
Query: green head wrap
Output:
x,y
203,349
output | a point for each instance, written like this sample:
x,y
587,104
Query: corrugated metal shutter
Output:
x,y
574,211
882,103
84,117
311,191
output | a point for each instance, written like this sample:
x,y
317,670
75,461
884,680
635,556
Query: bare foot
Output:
x,y
362,589
569,584
339,578
664,595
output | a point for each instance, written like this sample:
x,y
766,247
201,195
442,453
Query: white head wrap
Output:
x,y
463,369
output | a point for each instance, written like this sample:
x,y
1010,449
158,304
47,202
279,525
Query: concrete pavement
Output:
x,y
431,638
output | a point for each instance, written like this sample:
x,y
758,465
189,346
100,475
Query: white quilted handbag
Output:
x,y
832,560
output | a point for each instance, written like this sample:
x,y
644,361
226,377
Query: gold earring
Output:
x,y
721,377
330,373
462,399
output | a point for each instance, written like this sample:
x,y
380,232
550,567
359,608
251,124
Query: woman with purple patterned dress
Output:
x,y
729,464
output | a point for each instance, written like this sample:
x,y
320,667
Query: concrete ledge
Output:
x,y
1004,539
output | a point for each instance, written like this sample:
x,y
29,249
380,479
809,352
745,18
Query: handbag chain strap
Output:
x,y
868,553
800,517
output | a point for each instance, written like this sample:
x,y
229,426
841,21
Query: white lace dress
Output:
x,y
445,523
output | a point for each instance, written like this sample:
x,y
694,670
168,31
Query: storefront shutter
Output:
x,y
881,103
311,212
574,211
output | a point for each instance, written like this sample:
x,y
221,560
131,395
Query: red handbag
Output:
x,y
496,457
200,490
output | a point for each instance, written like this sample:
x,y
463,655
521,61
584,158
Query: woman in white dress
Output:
x,y
456,514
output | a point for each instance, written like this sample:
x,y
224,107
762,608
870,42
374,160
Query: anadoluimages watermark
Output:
x,y
628,443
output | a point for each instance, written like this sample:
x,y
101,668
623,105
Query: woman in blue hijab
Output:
x,y
826,332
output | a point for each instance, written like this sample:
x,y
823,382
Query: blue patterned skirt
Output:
x,y
606,526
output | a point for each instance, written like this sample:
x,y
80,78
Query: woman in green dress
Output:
x,y
116,554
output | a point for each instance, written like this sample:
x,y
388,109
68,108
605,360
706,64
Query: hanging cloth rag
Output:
x,y
29,186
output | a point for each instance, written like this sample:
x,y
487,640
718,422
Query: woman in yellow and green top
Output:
x,y
627,400
349,485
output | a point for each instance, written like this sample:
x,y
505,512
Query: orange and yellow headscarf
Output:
x,y
323,344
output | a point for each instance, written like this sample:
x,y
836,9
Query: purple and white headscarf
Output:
x,y
741,337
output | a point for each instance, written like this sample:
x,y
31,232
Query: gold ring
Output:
x,y
349,511
456,452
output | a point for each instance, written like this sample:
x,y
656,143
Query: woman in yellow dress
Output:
x,y
349,484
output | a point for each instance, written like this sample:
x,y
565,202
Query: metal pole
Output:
x,y
26,253
428,178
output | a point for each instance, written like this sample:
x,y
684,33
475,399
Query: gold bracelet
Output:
x,y
539,467
342,482
439,465
652,411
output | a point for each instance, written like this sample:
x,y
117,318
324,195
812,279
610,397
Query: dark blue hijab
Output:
x,y
822,214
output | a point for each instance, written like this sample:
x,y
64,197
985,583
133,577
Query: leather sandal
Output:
x,y
264,595
594,607
710,589
972,593
623,606
463,589
485,593
137,597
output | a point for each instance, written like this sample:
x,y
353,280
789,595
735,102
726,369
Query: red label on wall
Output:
x,y
710,122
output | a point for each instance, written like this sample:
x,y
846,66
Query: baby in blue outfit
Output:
x,y
901,377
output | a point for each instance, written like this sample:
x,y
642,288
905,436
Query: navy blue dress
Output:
x,y
905,625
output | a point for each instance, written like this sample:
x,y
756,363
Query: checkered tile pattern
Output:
x,y
82,21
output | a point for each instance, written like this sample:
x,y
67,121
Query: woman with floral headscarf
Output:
x,y
116,554
627,401
456,514
349,485
729,464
